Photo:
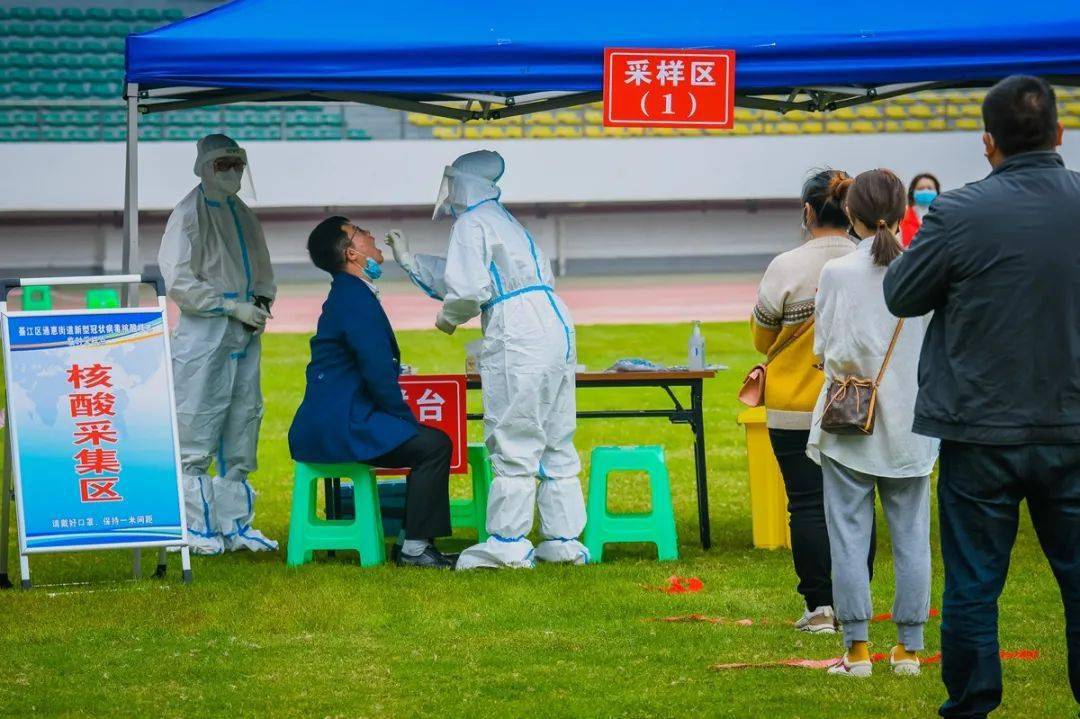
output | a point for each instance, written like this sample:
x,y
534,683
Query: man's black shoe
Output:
x,y
430,558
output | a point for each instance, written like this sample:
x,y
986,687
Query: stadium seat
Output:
x,y
540,132
937,124
357,133
514,132
22,13
446,133
813,127
1070,121
150,132
73,13
44,46
149,14
46,29
837,127
845,113
540,118
567,117
421,119
973,110
172,14
46,12
796,115
920,111
864,127
787,128
662,132
594,117
123,13
914,126
493,132
743,114
20,29
473,132
968,123
868,112
568,132
97,13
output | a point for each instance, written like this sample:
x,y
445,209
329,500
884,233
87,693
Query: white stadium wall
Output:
x,y
679,204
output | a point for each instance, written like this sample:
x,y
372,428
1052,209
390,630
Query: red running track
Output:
x,y
630,300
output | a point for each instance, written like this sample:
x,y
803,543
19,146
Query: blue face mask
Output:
x,y
372,269
924,197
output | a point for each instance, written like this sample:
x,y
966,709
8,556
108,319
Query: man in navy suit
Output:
x,y
353,410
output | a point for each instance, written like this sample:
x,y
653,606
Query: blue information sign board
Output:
x,y
92,429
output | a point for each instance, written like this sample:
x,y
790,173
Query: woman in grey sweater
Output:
x,y
854,330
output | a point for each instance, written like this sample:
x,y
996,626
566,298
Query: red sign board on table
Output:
x,y
439,401
669,88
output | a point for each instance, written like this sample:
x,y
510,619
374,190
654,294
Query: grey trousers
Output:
x,y
849,515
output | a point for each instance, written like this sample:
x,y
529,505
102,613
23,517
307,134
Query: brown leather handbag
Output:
x,y
852,400
752,392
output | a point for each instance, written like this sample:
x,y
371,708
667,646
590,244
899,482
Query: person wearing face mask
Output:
x,y
495,269
217,270
352,409
922,190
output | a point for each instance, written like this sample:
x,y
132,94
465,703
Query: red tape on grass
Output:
x,y
677,585
1024,655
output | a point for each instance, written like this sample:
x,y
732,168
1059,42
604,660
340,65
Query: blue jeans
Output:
x,y
979,492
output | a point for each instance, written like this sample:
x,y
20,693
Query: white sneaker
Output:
x,y
904,667
820,621
846,668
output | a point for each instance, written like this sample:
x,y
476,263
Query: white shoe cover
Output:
x,y
234,505
496,553
562,519
203,539
511,505
562,551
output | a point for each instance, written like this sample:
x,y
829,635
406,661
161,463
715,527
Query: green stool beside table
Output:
x,y
656,526
363,531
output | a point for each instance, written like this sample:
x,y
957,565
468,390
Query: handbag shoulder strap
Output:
x,y
888,354
803,329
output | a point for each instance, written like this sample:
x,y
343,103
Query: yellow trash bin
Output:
x,y
768,500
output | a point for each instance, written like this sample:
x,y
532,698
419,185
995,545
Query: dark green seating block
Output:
x,y
96,47
46,46
149,14
43,29
46,12
22,13
122,13
21,29
97,13
150,132
173,14
73,13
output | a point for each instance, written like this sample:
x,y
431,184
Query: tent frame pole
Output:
x,y
131,264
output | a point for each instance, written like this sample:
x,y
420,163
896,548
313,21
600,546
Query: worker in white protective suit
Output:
x,y
217,270
495,269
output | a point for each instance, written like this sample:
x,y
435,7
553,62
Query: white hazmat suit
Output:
x,y
217,270
495,269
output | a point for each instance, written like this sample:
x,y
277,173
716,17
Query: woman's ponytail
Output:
x,y
877,199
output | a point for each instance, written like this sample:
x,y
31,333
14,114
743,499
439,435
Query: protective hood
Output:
x,y
470,180
222,184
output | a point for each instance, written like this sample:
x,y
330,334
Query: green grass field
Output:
x,y
253,638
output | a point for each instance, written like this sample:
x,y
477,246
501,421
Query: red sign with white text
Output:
x,y
439,401
669,88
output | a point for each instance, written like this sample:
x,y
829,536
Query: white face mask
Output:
x,y
227,182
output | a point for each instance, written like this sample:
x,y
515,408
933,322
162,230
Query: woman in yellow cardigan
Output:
x,y
782,326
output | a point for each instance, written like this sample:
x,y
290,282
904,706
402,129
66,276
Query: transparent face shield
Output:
x,y
442,200
227,171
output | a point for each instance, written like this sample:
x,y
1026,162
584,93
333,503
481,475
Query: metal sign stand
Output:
x,y
8,492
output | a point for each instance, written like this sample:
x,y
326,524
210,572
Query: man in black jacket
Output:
x,y
998,263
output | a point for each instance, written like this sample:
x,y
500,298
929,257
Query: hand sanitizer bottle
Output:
x,y
696,347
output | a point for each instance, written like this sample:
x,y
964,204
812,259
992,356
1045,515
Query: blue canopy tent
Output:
x,y
508,59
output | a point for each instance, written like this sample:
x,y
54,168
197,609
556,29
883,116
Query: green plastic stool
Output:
x,y
104,298
473,512
36,298
308,533
656,526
